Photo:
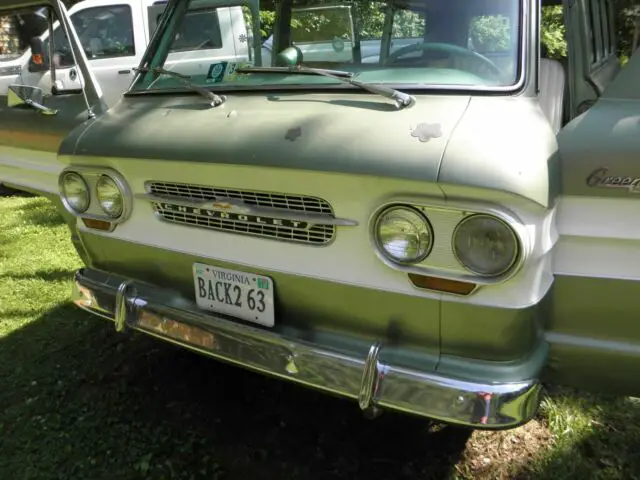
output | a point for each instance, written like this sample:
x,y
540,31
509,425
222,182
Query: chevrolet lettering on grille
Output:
x,y
236,217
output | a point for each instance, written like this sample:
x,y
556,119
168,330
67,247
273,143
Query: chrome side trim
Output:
x,y
244,208
368,379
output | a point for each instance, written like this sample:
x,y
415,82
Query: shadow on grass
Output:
x,y
597,436
81,401
46,275
40,213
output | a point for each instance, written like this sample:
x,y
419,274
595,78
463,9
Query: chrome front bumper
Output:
x,y
368,379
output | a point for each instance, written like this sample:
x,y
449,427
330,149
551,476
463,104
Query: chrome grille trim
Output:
x,y
284,201
165,197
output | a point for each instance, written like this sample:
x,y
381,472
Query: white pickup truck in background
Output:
x,y
115,33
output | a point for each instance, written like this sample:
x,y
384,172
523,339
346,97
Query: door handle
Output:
x,y
124,72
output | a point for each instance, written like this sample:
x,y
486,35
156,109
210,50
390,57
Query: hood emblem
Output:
x,y
599,178
426,131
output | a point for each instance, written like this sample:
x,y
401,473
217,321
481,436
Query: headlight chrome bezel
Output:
x,y
376,237
101,201
90,176
65,198
516,241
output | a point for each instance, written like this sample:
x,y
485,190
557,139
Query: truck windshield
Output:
x,y
411,44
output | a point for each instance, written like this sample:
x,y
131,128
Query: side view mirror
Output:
x,y
19,95
38,62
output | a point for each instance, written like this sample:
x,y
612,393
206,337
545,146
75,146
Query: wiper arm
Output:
x,y
215,99
402,99
295,69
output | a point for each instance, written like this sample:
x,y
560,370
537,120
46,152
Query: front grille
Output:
x,y
285,201
314,235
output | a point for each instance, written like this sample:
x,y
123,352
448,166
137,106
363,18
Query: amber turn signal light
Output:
x,y
97,224
442,284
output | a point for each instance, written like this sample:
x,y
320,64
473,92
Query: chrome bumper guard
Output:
x,y
372,382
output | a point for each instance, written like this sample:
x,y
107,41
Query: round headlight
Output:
x,y
403,235
109,196
485,245
75,192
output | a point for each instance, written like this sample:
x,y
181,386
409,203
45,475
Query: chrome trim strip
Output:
x,y
161,218
244,208
370,381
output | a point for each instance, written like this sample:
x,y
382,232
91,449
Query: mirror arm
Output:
x,y
40,107
52,48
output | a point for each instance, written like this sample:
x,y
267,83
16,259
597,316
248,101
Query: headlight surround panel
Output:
x,y
91,176
445,219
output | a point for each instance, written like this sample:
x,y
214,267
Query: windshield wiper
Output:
x,y
215,99
402,99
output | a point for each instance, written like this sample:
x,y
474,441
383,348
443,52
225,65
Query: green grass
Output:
x,y
79,401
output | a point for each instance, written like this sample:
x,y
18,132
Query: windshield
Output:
x,y
469,44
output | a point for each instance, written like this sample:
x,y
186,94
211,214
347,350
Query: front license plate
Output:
x,y
238,294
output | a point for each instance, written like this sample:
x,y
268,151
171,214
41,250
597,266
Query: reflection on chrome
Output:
x,y
371,381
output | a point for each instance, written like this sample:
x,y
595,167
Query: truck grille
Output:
x,y
314,235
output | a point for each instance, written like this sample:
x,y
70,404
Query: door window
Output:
x,y
200,30
104,32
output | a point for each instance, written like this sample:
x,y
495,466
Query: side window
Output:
x,y
319,25
200,30
104,32
154,12
600,24
408,24
490,34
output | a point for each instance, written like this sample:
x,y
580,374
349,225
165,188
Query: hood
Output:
x,y
503,144
343,133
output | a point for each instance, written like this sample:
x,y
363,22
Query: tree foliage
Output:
x,y
553,31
